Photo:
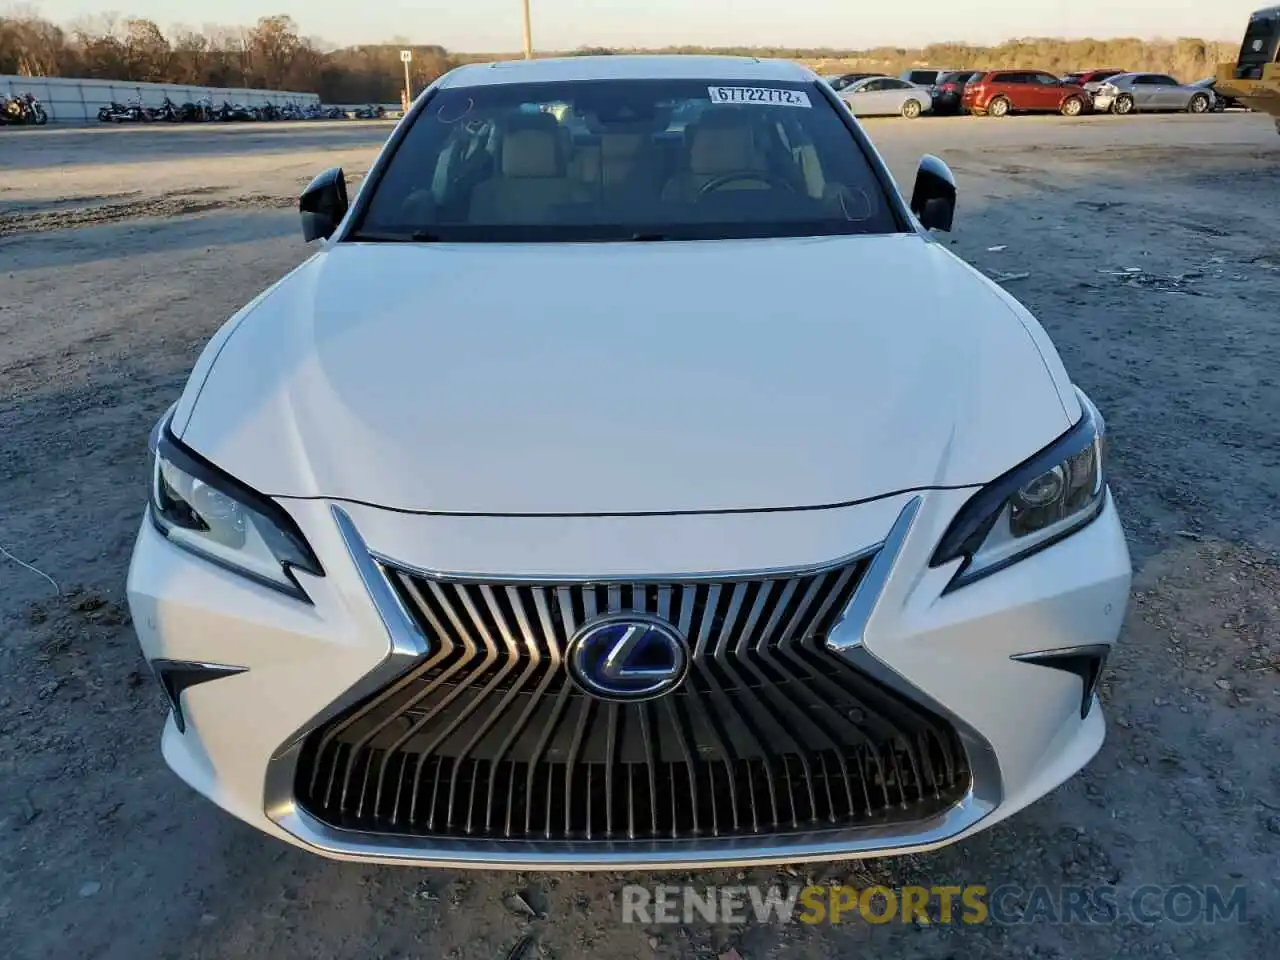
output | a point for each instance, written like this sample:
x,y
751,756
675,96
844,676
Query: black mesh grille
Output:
x,y
487,737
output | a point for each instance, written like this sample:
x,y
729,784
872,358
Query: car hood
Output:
x,y
626,378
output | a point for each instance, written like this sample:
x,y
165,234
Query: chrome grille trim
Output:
x,y
770,731
715,845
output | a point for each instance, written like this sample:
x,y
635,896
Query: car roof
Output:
x,y
626,67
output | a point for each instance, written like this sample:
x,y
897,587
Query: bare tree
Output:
x,y
191,58
31,47
147,54
271,47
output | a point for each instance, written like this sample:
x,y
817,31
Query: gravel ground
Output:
x,y
1146,246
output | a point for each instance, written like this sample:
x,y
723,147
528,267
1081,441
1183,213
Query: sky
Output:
x,y
495,25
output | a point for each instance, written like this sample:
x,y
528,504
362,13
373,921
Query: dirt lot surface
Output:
x,y
1148,247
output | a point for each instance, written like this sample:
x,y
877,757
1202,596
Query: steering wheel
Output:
x,y
744,176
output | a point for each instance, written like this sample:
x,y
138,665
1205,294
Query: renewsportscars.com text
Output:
x,y
945,904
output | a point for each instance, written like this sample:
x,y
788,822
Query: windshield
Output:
x,y
626,160
1262,39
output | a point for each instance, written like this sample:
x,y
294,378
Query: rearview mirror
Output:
x,y
323,205
933,200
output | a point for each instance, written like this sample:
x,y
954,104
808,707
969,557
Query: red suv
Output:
x,y
1003,92
1091,79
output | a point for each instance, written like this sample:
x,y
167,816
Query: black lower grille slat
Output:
x,y
770,734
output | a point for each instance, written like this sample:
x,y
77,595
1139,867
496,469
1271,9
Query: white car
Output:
x,y
599,495
887,97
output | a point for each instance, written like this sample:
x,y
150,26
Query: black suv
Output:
x,y
949,90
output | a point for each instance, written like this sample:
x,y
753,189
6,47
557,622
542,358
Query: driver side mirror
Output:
x,y
323,205
933,200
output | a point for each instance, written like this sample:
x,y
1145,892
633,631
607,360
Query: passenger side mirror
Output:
x,y
323,205
934,198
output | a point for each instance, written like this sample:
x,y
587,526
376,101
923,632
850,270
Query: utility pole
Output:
x,y
406,57
528,32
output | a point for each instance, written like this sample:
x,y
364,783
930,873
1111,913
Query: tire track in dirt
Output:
x,y
163,206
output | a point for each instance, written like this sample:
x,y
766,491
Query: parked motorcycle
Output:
x,y
168,111
23,109
204,111
138,113
115,113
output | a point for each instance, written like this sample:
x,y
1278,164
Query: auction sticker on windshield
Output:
x,y
765,96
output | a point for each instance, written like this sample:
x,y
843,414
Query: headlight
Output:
x,y
1048,497
203,510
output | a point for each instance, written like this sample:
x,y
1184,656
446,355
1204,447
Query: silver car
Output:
x,y
887,97
1129,92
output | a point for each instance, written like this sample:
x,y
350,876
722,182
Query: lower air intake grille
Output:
x,y
770,734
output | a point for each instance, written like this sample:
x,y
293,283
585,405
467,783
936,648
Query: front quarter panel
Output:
x,y
1044,346
959,647
209,355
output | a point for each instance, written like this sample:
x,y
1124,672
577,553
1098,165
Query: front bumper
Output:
x,y
1102,101
1021,722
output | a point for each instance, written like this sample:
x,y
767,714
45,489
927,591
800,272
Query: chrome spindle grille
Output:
x,y
770,733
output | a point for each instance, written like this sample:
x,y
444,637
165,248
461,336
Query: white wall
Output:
x,y
67,100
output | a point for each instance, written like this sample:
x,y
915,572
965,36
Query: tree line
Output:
x,y
273,55
1187,58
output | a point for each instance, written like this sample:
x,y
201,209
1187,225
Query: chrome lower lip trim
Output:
x,y
408,645
678,854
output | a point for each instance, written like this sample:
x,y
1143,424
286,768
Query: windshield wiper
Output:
x,y
374,236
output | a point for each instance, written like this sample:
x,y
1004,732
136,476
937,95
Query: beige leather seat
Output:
x,y
617,163
532,177
720,143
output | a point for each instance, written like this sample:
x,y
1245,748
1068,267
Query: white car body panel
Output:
x,y
300,658
620,412
411,377
625,67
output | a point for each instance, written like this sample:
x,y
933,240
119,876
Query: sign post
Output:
x,y
528,32
406,57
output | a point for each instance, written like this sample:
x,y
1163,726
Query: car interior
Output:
x,y
684,161
535,164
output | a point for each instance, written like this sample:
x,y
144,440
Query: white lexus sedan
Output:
x,y
599,496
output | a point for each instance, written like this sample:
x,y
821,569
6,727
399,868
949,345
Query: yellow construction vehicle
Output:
x,y
1254,79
